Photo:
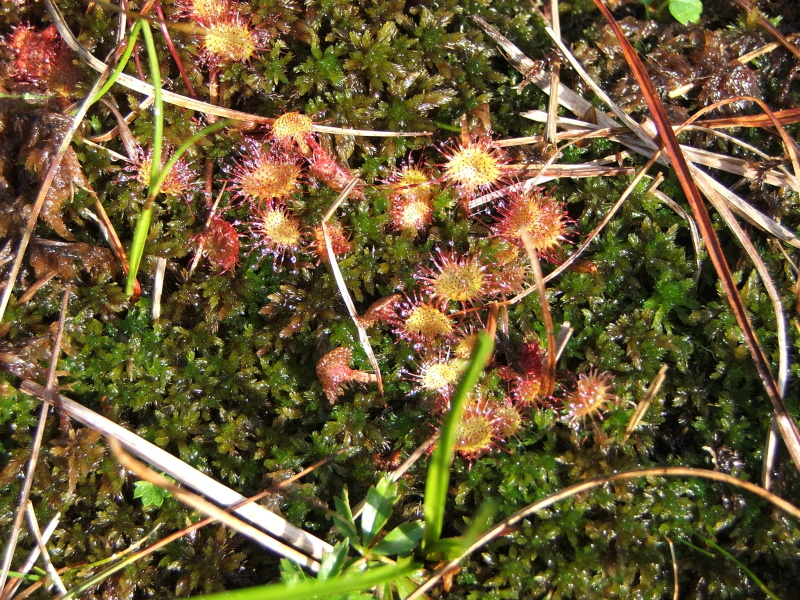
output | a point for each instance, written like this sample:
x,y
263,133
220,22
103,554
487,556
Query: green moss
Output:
x,y
226,378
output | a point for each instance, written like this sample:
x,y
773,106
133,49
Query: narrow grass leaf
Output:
x,y
123,61
742,566
318,589
143,224
439,470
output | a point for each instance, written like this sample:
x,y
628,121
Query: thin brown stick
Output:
x,y
29,293
675,579
168,40
644,403
786,116
37,443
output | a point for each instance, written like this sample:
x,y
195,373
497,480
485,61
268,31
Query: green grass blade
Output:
x,y
143,224
157,174
122,62
137,247
182,149
741,565
316,589
158,104
439,469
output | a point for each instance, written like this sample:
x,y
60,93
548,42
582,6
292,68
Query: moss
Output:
x,y
226,378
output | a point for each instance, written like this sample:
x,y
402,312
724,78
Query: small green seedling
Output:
x,y
684,11
151,494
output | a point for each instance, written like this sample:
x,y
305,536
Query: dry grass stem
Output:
x,y
765,49
30,292
339,199
644,403
33,527
340,283
722,208
534,73
555,81
275,525
547,172
697,241
771,449
675,579
549,379
47,399
786,116
122,130
211,510
110,234
564,333
14,582
788,141
158,287
577,129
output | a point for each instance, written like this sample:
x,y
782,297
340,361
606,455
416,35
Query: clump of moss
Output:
x,y
226,379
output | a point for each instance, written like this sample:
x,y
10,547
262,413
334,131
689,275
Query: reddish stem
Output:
x,y
172,51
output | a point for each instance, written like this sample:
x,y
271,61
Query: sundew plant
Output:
x,y
266,235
